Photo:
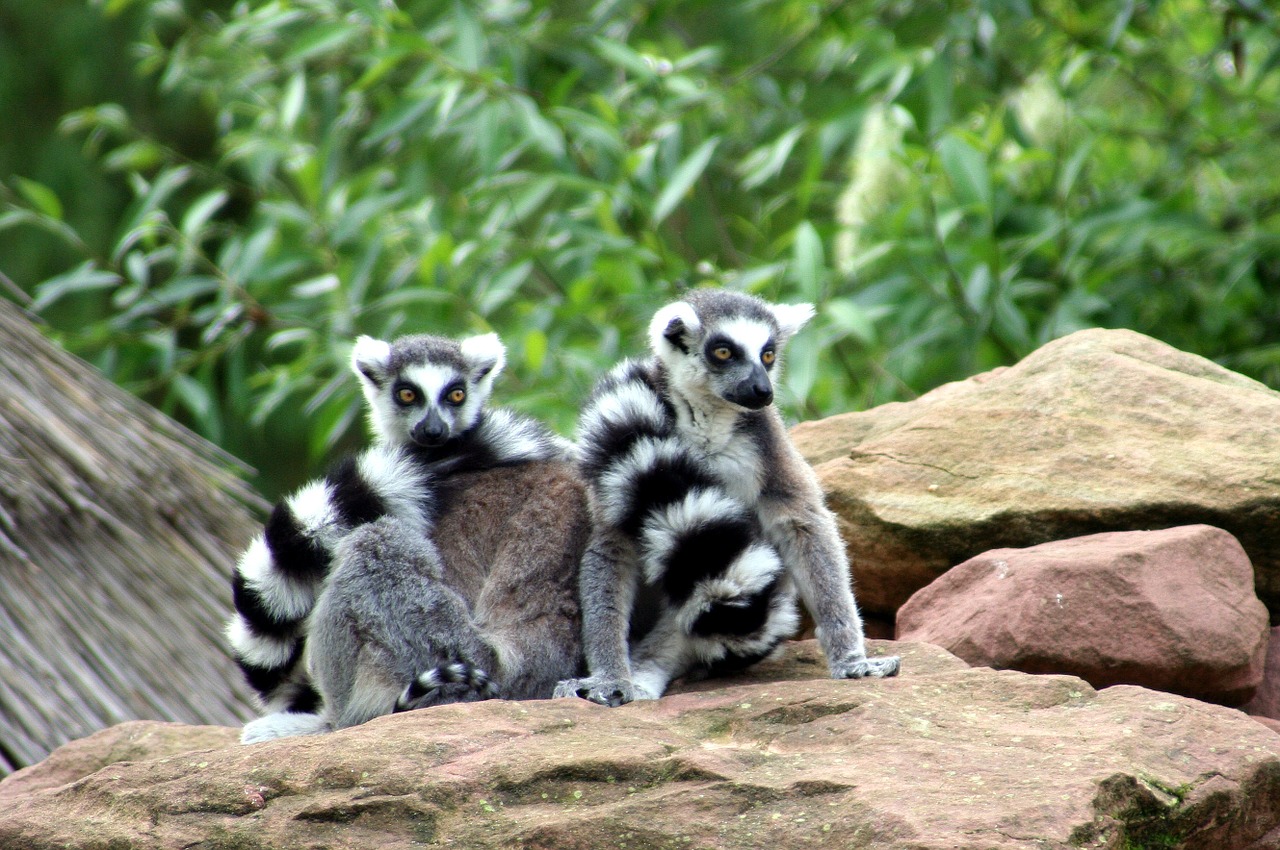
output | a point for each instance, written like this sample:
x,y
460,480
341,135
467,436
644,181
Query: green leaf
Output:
x,y
193,395
939,83
291,103
807,261
61,229
802,366
1011,324
966,168
535,349
766,162
182,289
502,288
757,278
289,336
538,129
41,197
397,120
682,179
852,318
319,40
316,286
140,155
83,278
200,211
623,56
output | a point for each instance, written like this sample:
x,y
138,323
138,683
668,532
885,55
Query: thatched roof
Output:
x,y
118,529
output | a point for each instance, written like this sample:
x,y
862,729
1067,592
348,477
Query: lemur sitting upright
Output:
x,y
699,499
441,461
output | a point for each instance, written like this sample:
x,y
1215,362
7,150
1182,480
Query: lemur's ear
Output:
x,y
792,317
371,360
484,354
673,327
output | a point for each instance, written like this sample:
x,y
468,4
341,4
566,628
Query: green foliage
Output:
x,y
953,184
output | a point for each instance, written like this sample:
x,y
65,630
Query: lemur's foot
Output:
x,y
610,692
456,681
858,668
283,724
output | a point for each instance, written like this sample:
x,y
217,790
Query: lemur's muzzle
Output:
x,y
432,431
753,392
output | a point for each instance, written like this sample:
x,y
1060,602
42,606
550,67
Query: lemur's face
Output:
x,y
426,390
725,345
739,356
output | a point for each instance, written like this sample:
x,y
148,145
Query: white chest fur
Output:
x,y
730,455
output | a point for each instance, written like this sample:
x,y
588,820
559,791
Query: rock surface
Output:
x,y
1266,700
940,757
1172,610
1102,430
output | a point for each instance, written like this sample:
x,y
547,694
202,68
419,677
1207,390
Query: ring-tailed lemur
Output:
x,y
487,607
700,500
426,400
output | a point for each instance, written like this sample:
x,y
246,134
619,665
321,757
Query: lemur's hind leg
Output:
x,y
386,624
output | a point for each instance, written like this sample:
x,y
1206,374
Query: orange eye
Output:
x,y
406,395
722,353
457,395
768,356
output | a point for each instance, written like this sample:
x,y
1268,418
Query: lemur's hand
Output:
x,y
610,692
851,667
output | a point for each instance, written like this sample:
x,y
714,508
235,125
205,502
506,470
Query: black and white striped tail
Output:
x,y
456,681
699,544
277,579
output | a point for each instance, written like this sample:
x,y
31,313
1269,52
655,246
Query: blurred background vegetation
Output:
x,y
208,200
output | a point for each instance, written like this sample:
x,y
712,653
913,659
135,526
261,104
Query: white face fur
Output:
x,y
727,352
426,390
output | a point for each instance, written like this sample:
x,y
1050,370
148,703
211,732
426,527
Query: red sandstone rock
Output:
x,y
1102,430
1266,700
135,740
940,758
1172,610
1273,725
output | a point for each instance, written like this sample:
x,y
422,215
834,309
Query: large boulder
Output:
x,y
1172,610
940,757
1102,430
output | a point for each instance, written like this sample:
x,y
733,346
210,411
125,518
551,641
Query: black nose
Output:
x,y
431,431
753,393
762,394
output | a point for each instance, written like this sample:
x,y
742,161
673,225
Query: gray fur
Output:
x,y
466,586
385,617
494,590
724,419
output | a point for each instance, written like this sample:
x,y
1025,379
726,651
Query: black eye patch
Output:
x,y
454,394
716,349
406,394
769,354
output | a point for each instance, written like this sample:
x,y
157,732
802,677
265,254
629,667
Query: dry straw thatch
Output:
x,y
118,529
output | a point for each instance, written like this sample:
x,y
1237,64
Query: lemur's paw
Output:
x,y
456,681
610,692
858,668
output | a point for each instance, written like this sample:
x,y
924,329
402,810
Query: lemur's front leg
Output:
x,y
607,581
661,656
809,543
